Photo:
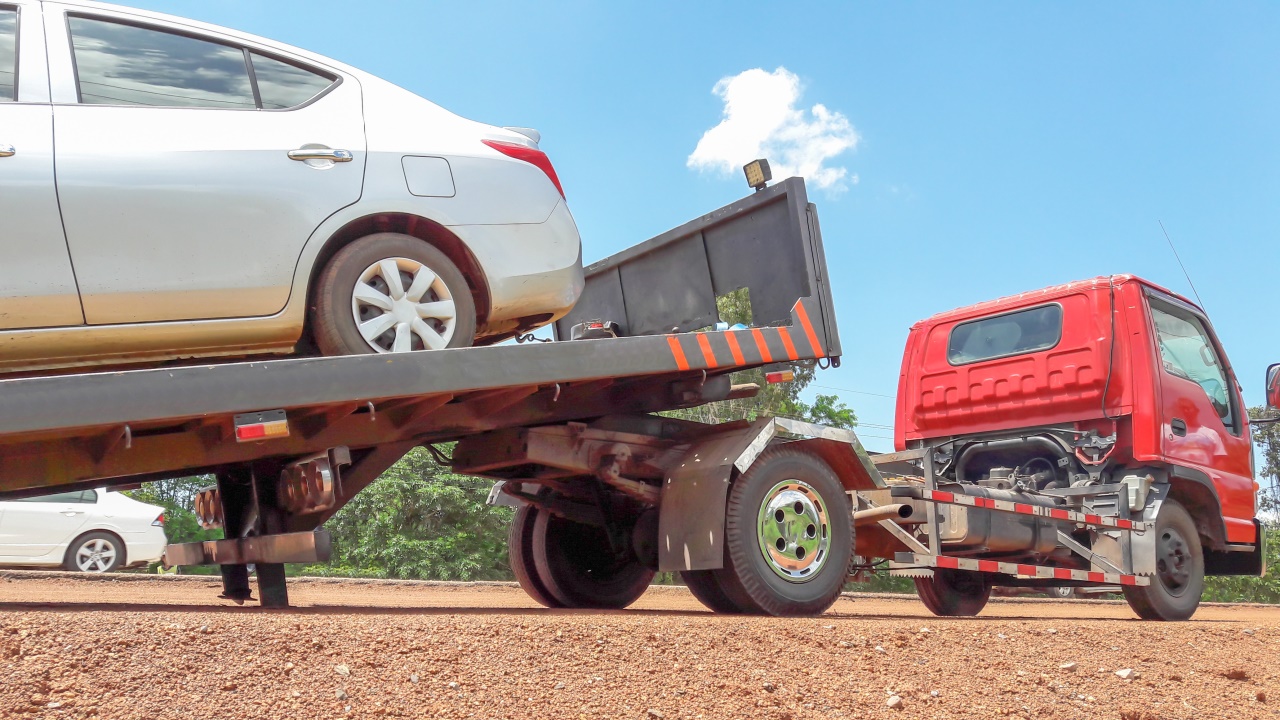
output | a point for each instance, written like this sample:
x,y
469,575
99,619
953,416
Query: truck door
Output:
x,y
192,168
37,287
1202,416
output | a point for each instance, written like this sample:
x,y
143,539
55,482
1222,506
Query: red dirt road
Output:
x,y
146,647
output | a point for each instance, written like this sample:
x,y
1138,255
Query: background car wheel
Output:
x,y
95,552
788,536
1175,589
1061,593
391,293
954,593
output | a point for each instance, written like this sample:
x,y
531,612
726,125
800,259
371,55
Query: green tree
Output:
x,y
419,521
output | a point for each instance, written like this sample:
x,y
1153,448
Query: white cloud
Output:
x,y
761,120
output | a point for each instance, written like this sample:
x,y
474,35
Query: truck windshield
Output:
x,y
1187,352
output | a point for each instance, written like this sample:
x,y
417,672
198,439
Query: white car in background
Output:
x,y
171,189
84,530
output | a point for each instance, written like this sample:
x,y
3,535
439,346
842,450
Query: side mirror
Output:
x,y
1273,386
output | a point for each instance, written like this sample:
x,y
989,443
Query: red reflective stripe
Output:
x,y
944,497
707,353
1060,514
1128,580
1097,577
1026,569
988,566
984,502
948,562
1094,519
808,328
1127,524
1019,507
678,352
786,343
734,349
1061,574
765,355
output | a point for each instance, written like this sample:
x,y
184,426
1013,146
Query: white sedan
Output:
x,y
84,530
171,189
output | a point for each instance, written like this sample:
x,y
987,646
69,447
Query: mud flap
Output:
x,y
691,516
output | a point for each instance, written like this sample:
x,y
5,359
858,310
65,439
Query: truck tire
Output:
x,y
704,586
387,311
578,568
1175,589
954,593
788,536
520,555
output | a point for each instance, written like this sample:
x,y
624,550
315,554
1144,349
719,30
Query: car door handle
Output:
x,y
7,150
321,154
72,513
1178,426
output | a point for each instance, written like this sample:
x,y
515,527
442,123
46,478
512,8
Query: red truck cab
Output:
x,y
1113,379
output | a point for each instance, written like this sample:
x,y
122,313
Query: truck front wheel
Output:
x,y
1175,589
788,536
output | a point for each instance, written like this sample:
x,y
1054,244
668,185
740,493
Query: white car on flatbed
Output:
x,y
81,530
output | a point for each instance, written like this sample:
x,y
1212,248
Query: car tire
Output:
x,y
1061,592
1178,583
342,317
95,552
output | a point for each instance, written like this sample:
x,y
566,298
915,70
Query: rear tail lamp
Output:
x,y
159,521
529,155
779,376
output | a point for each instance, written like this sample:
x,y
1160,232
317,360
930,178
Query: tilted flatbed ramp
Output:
x,y
122,427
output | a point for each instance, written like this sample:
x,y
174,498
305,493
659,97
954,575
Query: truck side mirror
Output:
x,y
1273,386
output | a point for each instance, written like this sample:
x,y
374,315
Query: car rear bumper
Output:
x,y
144,547
532,269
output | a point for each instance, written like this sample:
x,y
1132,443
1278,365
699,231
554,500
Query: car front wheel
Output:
x,y
389,293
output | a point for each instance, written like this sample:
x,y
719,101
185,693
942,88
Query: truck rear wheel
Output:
x,y
954,593
704,586
520,555
1175,590
579,569
788,536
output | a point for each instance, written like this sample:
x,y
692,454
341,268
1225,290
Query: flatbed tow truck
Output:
x,y
763,516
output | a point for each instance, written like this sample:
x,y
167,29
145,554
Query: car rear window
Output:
x,y
8,53
118,64
282,85
1014,333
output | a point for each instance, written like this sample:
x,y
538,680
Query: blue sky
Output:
x,y
1002,147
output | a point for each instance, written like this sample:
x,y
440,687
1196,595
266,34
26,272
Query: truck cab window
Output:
x,y
1187,352
1014,333
8,53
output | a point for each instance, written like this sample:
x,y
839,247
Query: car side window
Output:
x,y
75,496
119,64
1187,352
8,53
282,85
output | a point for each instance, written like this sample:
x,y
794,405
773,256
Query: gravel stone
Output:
x,y
894,702
342,670
1126,674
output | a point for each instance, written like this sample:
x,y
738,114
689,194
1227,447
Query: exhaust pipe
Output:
x,y
870,516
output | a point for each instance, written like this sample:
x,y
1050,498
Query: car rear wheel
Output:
x,y
388,293
95,552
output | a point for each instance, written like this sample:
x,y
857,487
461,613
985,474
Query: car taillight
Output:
x,y
529,155
159,521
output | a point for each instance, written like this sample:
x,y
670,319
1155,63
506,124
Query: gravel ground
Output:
x,y
139,647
